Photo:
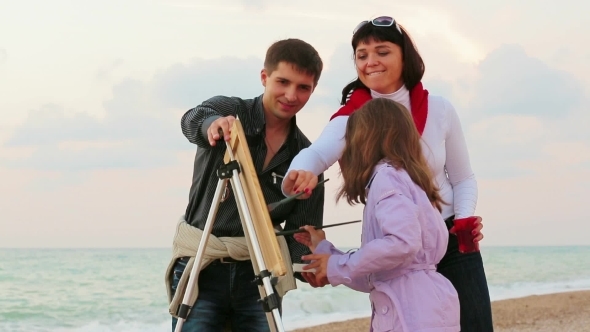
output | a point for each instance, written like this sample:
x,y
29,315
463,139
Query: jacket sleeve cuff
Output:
x,y
326,247
338,273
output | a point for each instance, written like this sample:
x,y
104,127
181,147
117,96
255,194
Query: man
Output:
x,y
226,291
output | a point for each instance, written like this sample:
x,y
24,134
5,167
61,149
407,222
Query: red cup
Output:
x,y
463,229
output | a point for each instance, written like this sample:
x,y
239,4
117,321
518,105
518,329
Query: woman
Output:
x,y
389,66
403,236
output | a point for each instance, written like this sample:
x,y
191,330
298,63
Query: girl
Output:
x,y
404,235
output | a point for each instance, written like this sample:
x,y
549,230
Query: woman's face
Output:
x,y
379,65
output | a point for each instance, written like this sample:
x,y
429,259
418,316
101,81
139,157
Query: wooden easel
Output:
x,y
263,245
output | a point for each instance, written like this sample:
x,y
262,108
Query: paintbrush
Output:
x,y
301,230
274,205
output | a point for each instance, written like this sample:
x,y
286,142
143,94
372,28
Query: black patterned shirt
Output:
x,y
208,159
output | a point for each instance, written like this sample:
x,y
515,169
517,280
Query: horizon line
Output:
x,y
170,247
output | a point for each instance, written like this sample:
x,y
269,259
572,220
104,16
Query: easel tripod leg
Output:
x,y
264,275
185,307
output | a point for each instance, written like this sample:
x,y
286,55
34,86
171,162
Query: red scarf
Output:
x,y
418,103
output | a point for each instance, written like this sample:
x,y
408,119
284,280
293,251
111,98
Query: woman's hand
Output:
x,y
297,181
478,235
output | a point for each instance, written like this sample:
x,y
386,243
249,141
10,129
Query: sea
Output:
x,y
108,290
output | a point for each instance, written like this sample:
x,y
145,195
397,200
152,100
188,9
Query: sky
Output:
x,y
92,92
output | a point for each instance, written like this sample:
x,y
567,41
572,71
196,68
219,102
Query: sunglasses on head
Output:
x,y
381,21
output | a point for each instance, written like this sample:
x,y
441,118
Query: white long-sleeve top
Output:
x,y
443,145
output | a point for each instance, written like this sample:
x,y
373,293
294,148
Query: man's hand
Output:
x,y
311,237
225,125
297,181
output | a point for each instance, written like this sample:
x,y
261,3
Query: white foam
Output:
x,y
522,289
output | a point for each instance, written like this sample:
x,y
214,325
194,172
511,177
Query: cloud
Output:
x,y
128,117
510,146
111,156
512,82
186,85
105,71
50,125
503,146
513,96
141,123
440,87
335,76
518,111
263,4
254,4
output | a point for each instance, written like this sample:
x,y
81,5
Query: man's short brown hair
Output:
x,y
302,55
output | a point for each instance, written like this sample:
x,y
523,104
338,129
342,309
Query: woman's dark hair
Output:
x,y
413,70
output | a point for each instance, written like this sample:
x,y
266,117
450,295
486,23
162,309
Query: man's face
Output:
x,y
286,91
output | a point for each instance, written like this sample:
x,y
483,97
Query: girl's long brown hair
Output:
x,y
383,130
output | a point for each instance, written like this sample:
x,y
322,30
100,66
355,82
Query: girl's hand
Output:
x,y
311,237
312,281
320,264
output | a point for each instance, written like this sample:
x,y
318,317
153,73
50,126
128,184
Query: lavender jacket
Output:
x,y
403,239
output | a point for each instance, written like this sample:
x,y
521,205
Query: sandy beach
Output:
x,y
540,313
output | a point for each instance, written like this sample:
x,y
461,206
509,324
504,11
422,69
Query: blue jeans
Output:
x,y
466,273
226,295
